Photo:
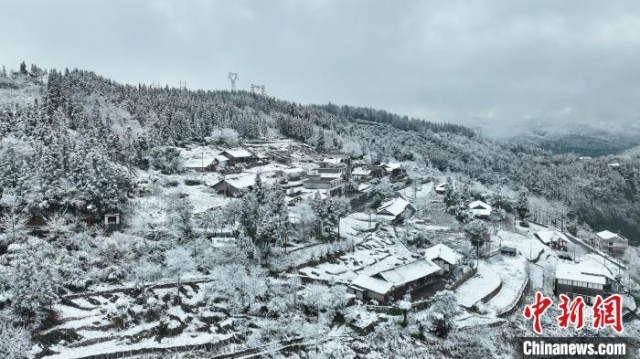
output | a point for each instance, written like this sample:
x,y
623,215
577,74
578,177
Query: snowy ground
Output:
x,y
91,318
528,245
513,273
479,286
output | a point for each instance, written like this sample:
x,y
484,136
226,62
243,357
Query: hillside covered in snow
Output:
x,y
141,222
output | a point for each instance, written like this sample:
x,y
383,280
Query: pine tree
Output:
x,y
522,206
478,233
35,284
450,193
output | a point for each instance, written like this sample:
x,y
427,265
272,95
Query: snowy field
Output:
x,y
479,286
117,322
514,275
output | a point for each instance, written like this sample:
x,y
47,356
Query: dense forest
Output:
x,y
73,148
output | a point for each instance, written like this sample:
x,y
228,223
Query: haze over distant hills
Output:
x,y
591,138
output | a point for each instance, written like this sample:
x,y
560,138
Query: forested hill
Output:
x,y
75,145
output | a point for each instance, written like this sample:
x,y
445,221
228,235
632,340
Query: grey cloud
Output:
x,y
496,64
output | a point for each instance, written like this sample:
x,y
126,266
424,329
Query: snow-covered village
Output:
x,y
164,221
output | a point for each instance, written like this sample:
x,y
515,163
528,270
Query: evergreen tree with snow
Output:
x,y
478,233
15,341
522,205
178,261
450,194
442,313
35,283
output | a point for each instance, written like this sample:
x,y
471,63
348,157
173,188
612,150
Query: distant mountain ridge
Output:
x,y
584,144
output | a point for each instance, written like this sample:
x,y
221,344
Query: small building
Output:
x,y
235,187
37,225
361,174
201,159
443,256
332,182
291,173
342,171
366,287
552,238
612,242
480,209
200,164
376,171
112,221
396,209
508,251
220,162
441,188
331,162
235,157
293,200
393,169
585,279
392,284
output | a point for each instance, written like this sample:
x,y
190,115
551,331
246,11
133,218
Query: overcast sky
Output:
x,y
498,64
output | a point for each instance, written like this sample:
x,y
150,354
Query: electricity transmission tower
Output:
x,y
257,89
182,84
233,77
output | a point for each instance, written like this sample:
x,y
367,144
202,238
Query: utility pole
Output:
x,y
233,77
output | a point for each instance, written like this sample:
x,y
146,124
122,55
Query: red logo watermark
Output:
x,y
606,312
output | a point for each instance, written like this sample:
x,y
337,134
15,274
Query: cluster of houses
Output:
x,y
392,284
333,175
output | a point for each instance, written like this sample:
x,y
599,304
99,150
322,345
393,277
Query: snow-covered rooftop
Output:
x,y
244,181
479,205
238,153
330,175
480,209
606,235
550,236
584,271
363,187
394,207
373,284
361,171
199,156
391,166
410,272
443,252
332,160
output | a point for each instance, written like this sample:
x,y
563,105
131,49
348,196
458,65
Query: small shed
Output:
x,y
112,221
508,251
